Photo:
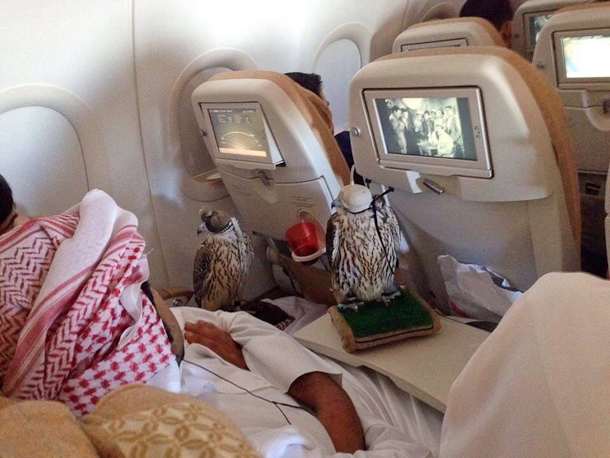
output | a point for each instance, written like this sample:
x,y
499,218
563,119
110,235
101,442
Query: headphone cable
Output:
x,y
275,403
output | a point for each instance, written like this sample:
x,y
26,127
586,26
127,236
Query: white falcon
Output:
x,y
362,244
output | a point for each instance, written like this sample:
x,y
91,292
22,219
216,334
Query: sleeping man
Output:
x,y
76,325
538,387
74,321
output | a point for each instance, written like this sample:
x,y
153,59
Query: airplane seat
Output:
x,y
572,52
273,145
528,21
448,33
606,226
498,187
440,10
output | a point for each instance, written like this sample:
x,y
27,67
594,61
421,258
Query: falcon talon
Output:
x,y
387,298
349,305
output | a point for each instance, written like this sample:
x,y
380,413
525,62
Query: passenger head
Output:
x,y
7,206
313,83
309,81
8,213
498,12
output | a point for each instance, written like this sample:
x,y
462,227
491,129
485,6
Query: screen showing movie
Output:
x,y
587,56
536,22
432,127
239,131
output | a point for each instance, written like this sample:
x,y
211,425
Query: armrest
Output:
x,y
175,291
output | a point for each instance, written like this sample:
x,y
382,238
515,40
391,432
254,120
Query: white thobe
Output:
x,y
539,386
395,424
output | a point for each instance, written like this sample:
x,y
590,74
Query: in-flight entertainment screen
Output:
x,y
433,127
536,22
239,131
586,56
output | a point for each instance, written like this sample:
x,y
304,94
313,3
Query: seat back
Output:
x,y
448,33
573,52
528,21
498,187
273,144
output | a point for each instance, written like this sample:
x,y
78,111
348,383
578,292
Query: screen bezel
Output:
x,y
576,83
481,167
270,162
526,27
453,43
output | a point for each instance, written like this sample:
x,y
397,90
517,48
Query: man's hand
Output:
x,y
216,340
333,408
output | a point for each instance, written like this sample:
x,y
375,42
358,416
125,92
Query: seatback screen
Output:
x,y
586,56
239,131
433,127
456,43
536,22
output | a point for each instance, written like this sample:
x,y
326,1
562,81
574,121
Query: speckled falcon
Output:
x,y
222,262
362,255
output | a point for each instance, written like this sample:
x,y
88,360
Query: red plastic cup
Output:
x,y
303,239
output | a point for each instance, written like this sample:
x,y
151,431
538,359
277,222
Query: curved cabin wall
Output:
x,y
58,153
75,59
96,94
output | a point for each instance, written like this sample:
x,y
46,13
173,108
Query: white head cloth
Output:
x,y
540,385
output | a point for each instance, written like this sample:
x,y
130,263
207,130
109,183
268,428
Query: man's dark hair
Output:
x,y
6,200
495,11
310,81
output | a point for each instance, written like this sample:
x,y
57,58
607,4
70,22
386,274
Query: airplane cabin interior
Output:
x,y
419,215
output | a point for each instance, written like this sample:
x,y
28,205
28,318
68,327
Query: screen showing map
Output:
x,y
239,131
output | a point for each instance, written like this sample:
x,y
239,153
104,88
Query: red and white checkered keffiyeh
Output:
x,y
74,323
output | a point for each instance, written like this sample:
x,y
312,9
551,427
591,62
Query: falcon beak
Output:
x,y
201,229
336,203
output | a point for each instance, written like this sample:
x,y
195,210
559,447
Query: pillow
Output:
x,y
138,420
44,429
